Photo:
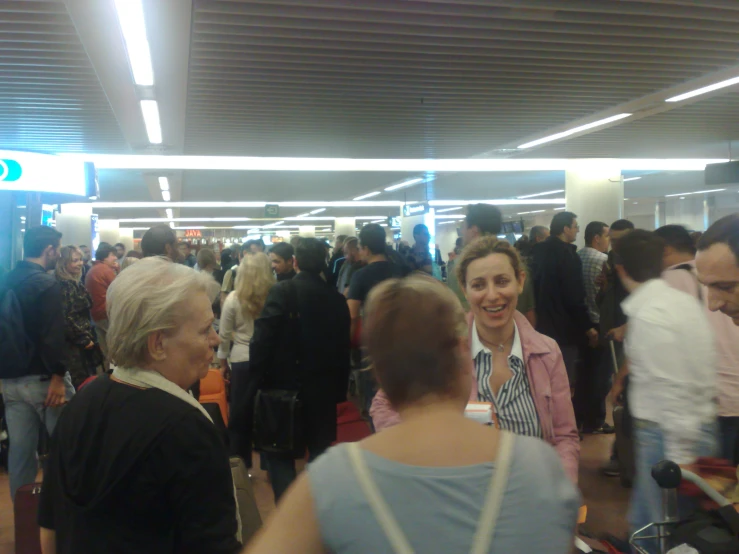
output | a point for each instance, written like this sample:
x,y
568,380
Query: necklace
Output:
x,y
501,347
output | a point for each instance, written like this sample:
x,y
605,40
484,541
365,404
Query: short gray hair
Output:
x,y
146,298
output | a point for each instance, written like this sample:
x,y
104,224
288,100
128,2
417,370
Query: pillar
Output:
x,y
109,231
73,222
660,214
345,226
125,236
595,192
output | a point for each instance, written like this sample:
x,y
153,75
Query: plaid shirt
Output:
x,y
592,265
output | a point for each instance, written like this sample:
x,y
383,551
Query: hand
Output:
x,y
57,392
592,335
618,334
601,280
224,368
90,346
616,392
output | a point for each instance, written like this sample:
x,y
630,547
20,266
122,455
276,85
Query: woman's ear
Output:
x,y
521,280
155,344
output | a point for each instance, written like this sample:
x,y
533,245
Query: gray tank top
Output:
x,y
438,509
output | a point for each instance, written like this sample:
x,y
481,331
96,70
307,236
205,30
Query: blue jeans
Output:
x,y
646,496
25,413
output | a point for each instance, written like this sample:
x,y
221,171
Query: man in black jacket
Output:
x,y
35,391
561,312
311,355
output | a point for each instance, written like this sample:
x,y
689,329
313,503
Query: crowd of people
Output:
x,y
108,356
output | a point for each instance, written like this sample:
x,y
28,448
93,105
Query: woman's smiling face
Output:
x,y
492,290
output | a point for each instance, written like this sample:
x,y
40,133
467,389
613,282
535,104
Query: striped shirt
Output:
x,y
514,405
592,266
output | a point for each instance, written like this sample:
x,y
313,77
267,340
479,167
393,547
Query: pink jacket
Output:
x,y
550,388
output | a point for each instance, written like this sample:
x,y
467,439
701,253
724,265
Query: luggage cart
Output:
x,y
722,532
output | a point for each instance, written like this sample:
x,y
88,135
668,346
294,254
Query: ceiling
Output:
x,y
370,79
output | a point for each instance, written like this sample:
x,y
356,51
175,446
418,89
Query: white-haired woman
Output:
x,y
254,279
82,353
136,464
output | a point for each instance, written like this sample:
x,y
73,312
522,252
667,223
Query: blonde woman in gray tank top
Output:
x,y
437,482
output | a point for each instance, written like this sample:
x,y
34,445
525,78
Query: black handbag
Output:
x,y
278,413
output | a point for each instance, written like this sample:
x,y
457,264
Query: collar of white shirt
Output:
x,y
639,298
478,346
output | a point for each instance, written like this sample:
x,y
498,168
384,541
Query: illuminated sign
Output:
x,y
415,209
26,171
193,233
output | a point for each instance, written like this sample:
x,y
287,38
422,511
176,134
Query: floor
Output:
x,y
605,498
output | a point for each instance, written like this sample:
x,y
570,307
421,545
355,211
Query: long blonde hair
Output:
x,y
254,278
65,256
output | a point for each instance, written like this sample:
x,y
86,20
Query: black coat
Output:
x,y
561,312
322,347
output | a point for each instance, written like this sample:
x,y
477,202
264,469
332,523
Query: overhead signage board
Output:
x,y
272,210
27,171
415,209
193,233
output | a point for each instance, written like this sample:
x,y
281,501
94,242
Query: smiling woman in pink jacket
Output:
x,y
518,370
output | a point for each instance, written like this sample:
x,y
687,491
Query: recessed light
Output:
x,y
150,112
704,90
695,192
540,194
133,27
632,179
574,130
318,211
403,185
165,196
448,210
368,195
163,183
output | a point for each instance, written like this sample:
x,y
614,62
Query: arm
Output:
x,y
267,328
51,332
355,297
228,317
296,512
48,541
573,290
382,413
354,309
566,439
343,353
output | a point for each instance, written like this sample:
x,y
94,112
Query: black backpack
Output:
x,y
16,349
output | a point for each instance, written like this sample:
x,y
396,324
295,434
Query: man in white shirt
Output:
x,y
680,273
672,367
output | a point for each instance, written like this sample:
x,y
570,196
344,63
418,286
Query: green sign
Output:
x,y
272,210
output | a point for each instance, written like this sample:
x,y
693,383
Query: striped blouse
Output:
x,y
514,405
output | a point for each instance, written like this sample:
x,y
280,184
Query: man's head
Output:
x,y
619,229
281,257
679,246
351,250
339,246
85,252
639,258
596,236
310,256
106,254
718,265
184,248
372,240
120,250
255,246
41,245
421,235
564,226
160,240
482,219
538,233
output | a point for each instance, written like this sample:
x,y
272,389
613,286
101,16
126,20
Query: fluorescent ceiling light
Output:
x,y
448,210
532,212
562,208
696,192
447,216
574,130
368,195
704,90
168,211
448,222
171,224
233,163
150,111
133,25
321,210
540,194
306,214
501,202
179,204
166,196
632,179
163,183
403,185
378,221
274,224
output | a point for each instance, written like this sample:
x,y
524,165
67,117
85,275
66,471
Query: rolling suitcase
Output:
x,y
27,540
249,519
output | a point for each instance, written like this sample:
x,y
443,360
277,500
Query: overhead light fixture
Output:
x,y
540,194
321,210
632,179
306,214
533,212
210,205
574,130
447,222
163,183
133,26
274,224
180,219
500,202
404,184
150,111
166,196
562,208
448,210
368,195
704,90
168,211
695,192
157,162
378,221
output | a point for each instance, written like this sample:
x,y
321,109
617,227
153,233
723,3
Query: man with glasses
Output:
x,y
561,311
